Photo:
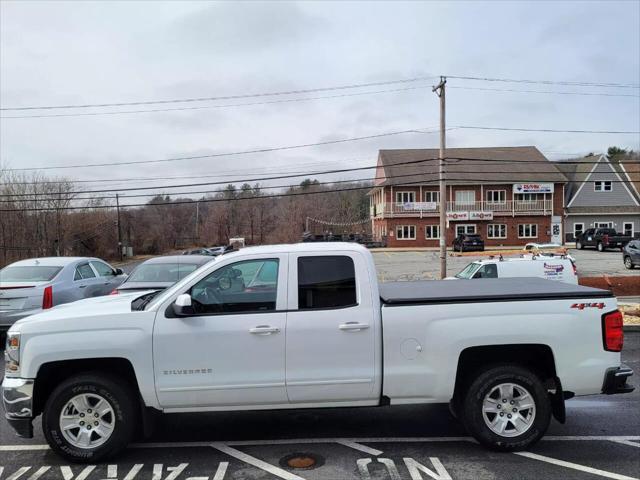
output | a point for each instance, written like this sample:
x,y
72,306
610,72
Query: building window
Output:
x,y
432,231
578,228
603,224
602,186
527,230
497,230
406,232
627,228
529,197
465,228
431,197
405,197
496,196
465,196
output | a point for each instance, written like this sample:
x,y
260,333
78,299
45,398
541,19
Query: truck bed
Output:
x,y
485,290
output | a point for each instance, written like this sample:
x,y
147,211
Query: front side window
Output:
x,y
238,288
84,271
527,230
602,186
103,269
406,232
490,270
326,282
432,231
497,230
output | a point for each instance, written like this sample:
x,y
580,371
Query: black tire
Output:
x,y
628,264
600,247
119,396
579,245
472,411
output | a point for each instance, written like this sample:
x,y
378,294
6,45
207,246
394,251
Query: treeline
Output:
x,y
41,216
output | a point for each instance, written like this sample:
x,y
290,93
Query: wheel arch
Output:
x,y
538,358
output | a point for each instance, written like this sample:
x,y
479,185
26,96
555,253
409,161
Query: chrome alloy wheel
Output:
x,y
508,410
87,420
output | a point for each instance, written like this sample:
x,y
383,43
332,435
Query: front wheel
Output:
x,y
600,247
628,263
89,417
507,408
579,245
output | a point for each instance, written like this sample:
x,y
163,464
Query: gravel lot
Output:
x,y
425,265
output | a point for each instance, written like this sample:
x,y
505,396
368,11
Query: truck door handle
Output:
x,y
264,330
353,326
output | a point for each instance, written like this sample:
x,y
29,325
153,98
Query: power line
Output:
x,y
449,160
544,130
226,154
547,82
551,92
224,97
203,107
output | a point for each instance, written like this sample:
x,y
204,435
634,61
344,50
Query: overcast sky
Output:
x,y
57,53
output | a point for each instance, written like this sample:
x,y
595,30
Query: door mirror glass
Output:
x,y
182,306
118,271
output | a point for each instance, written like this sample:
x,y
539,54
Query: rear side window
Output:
x,y
84,271
326,282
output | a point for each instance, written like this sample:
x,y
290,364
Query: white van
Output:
x,y
561,269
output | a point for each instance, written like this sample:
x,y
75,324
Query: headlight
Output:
x,y
12,354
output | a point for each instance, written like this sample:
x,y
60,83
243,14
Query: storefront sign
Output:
x,y
533,188
480,215
426,205
457,216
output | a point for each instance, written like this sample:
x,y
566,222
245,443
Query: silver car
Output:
x,y
29,286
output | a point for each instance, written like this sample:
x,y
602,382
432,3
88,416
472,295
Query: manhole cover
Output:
x,y
302,461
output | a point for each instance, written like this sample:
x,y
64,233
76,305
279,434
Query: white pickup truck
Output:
x,y
306,325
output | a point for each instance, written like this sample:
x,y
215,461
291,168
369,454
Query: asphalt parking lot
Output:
x,y
425,265
600,439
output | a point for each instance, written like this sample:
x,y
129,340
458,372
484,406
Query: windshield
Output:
x,y
29,273
161,272
468,271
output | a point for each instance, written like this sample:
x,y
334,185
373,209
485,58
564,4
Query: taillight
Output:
x,y
47,298
114,292
612,333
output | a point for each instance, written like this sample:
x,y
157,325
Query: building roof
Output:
x,y
578,170
468,165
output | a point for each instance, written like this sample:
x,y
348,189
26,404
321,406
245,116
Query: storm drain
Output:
x,y
302,461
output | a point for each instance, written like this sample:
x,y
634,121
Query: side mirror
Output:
x,y
118,271
182,306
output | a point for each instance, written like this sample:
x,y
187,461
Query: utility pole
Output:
x,y
197,219
440,91
119,227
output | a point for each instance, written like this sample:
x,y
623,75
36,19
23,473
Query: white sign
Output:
x,y
426,205
457,215
533,188
480,215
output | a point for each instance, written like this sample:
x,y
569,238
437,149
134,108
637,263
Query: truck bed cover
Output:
x,y
484,290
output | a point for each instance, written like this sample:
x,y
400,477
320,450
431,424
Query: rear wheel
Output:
x,y
89,417
579,245
600,247
507,408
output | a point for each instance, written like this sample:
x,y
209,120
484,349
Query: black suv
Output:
x,y
467,242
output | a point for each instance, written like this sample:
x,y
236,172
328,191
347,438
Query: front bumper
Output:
x,y
17,398
615,380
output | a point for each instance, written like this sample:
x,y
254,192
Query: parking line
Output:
x,y
574,466
627,442
267,467
358,446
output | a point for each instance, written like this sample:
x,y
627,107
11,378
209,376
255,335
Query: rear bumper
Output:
x,y
473,247
17,398
9,317
615,380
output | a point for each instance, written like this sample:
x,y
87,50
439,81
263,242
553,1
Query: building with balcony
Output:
x,y
510,196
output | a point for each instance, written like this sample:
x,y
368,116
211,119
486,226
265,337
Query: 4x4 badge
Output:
x,y
582,306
